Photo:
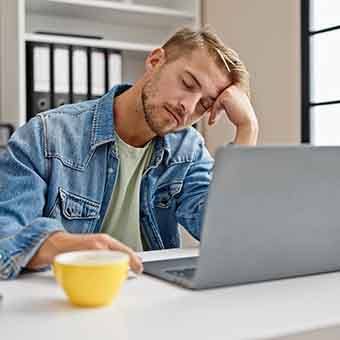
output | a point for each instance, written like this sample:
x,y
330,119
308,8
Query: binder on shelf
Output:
x,y
61,75
97,72
38,65
79,78
114,69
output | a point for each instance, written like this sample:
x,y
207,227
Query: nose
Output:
x,y
188,104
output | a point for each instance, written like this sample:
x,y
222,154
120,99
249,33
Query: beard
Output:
x,y
153,117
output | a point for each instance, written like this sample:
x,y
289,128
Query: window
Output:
x,y
320,40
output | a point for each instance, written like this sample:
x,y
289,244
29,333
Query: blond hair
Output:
x,y
185,40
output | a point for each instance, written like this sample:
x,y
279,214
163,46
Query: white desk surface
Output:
x,y
34,307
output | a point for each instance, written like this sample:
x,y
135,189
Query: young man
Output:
x,y
121,171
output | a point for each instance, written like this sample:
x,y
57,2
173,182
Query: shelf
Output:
x,y
119,45
111,12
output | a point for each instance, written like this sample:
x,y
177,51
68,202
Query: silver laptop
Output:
x,y
273,212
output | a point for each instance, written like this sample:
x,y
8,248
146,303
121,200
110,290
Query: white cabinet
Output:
x,y
132,26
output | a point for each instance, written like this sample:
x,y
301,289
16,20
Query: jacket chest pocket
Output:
x,y
165,194
77,213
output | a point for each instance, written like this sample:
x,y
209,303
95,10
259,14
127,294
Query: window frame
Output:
x,y
306,103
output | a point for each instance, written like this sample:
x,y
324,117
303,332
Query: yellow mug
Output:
x,y
91,278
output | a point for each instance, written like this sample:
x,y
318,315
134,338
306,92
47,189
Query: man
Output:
x,y
121,171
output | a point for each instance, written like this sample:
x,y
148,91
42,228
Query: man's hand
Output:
x,y
60,242
236,104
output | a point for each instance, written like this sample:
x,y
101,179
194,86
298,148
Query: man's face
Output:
x,y
178,94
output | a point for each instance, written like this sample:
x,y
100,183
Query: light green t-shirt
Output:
x,y
122,218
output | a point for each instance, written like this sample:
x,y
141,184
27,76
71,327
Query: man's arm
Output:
x,y
237,106
246,135
235,103
60,242
23,187
27,238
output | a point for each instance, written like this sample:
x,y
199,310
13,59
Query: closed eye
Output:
x,y
186,85
205,108
206,103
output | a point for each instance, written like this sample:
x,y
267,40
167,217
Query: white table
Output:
x,y
34,307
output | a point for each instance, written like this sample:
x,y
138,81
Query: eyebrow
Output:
x,y
198,83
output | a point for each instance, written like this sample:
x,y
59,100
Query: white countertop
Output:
x,y
34,307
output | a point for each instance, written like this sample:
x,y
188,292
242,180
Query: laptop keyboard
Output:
x,y
185,273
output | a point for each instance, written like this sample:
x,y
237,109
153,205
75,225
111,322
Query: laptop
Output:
x,y
273,212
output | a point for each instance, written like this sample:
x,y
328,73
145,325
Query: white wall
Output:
x,y
266,34
12,62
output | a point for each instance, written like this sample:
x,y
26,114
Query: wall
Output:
x,y
12,62
266,34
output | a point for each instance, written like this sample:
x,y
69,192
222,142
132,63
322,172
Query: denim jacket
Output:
x,y
59,170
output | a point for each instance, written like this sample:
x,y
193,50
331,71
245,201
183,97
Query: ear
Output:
x,y
155,59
